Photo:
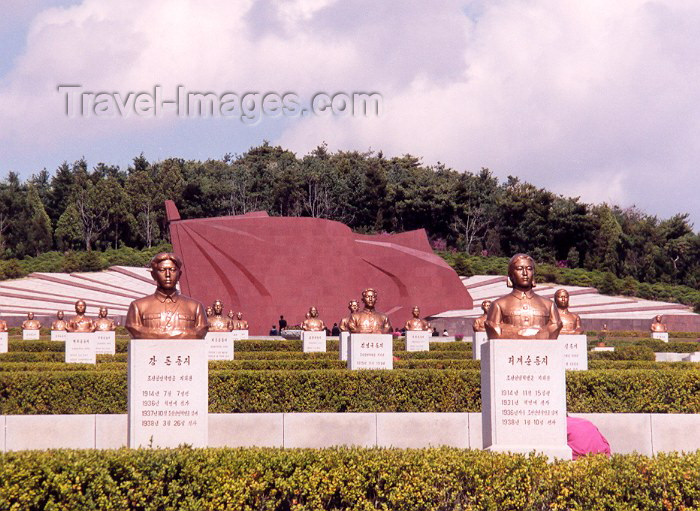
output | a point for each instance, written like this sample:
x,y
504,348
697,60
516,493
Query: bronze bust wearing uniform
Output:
x,y
313,323
480,322
166,314
103,323
30,323
239,323
353,307
522,314
368,320
60,323
80,322
217,322
571,322
657,325
416,324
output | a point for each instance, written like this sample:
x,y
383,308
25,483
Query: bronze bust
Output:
x,y
571,322
313,323
166,314
480,322
60,323
368,320
80,322
217,322
239,323
657,325
416,324
103,323
31,323
353,307
522,314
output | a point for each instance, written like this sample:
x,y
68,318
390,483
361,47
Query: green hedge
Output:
x,y
415,390
342,478
624,353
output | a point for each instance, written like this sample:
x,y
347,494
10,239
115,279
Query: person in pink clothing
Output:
x,y
584,438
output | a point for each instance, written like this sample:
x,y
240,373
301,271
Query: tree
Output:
x,y
145,198
68,234
38,229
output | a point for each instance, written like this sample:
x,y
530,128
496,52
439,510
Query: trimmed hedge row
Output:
x,y
416,390
342,478
238,365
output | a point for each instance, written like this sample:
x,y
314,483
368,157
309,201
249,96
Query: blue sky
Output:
x,y
595,99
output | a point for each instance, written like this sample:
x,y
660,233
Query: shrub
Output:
x,y
342,478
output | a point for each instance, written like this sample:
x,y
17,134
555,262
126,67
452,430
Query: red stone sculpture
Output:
x,y
267,266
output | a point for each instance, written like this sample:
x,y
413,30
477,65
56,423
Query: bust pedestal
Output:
x,y
523,396
168,393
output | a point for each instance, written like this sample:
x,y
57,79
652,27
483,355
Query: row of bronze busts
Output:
x,y
78,323
219,323
365,321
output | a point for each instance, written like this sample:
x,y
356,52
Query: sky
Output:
x,y
596,99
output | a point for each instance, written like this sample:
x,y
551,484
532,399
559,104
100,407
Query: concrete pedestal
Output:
x,y
479,339
220,345
168,393
31,335
370,351
343,345
662,336
418,340
58,335
106,342
523,396
313,342
575,352
81,348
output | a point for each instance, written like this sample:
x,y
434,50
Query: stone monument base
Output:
x,y
168,393
31,335
106,342
662,336
313,342
523,397
241,335
220,345
81,348
4,336
370,351
58,335
479,339
343,345
575,352
418,340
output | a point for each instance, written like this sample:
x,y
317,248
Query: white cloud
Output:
x,y
595,98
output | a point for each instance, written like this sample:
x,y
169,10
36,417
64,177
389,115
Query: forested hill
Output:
x,y
78,207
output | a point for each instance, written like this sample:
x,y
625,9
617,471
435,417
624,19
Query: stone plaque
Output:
x,y
479,339
81,348
370,351
220,345
662,336
604,348
31,335
523,396
343,345
4,344
106,342
168,393
240,334
313,342
418,340
575,352
58,335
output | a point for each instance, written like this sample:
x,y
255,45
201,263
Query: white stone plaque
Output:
x,y
418,340
240,334
575,352
220,345
662,336
31,335
370,351
479,339
523,396
4,344
168,393
343,345
604,348
81,348
106,342
313,342
58,335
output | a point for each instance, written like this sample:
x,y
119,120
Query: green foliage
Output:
x,y
605,282
344,478
667,390
624,353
